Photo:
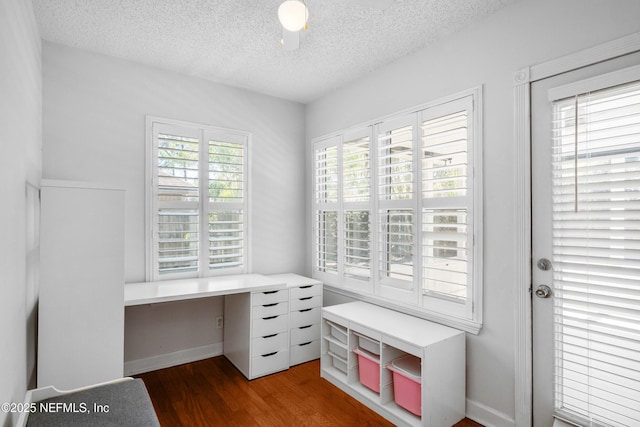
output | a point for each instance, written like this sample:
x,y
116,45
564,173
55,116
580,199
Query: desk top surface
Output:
x,y
184,289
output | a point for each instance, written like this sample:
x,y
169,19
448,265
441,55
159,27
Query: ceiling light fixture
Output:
x,y
293,16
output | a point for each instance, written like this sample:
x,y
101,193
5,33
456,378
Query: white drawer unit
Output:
x,y
435,398
305,310
258,344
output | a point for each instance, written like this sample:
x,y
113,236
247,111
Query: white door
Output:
x,y
586,245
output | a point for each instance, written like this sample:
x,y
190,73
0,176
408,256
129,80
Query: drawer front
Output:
x,y
269,297
306,302
305,291
305,333
305,317
269,344
269,325
268,310
304,352
269,363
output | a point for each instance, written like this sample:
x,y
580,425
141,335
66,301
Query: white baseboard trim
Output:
x,y
487,416
161,361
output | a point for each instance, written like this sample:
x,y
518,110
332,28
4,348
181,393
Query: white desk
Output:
x,y
185,289
256,315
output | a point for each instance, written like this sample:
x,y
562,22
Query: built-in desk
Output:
x,y
185,289
256,332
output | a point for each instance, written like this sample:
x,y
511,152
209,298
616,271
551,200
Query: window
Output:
x,y
395,142
197,200
419,172
447,203
326,197
356,190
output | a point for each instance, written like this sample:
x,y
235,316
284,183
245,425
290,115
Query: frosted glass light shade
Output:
x,y
293,15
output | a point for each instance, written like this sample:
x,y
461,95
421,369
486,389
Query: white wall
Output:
x,y
488,53
20,144
94,110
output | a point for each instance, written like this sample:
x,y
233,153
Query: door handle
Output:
x,y
543,291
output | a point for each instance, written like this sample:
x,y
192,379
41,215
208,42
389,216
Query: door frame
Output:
x,y
523,79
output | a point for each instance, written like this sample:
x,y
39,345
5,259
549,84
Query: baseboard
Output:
x,y
167,360
487,416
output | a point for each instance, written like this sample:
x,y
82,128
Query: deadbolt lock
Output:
x,y
544,264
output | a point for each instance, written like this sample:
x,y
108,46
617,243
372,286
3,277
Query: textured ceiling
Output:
x,y
236,42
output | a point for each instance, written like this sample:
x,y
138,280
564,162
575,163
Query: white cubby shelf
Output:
x,y
441,350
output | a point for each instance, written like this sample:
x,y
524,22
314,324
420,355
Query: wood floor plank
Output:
x,y
213,392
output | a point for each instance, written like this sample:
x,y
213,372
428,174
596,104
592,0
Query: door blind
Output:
x,y
596,256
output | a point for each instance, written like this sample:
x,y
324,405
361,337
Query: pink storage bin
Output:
x,y
407,390
369,369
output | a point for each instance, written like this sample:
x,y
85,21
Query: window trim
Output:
x,y
373,293
149,197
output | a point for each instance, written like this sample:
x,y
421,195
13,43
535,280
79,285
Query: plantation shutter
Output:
x,y
326,190
596,251
227,172
356,189
356,181
447,201
396,205
177,218
198,200
397,210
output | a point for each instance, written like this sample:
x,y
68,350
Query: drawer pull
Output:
x,y
270,354
306,286
305,343
305,298
269,336
306,309
270,305
269,318
305,327
270,292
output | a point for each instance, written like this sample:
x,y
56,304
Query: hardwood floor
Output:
x,y
213,392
